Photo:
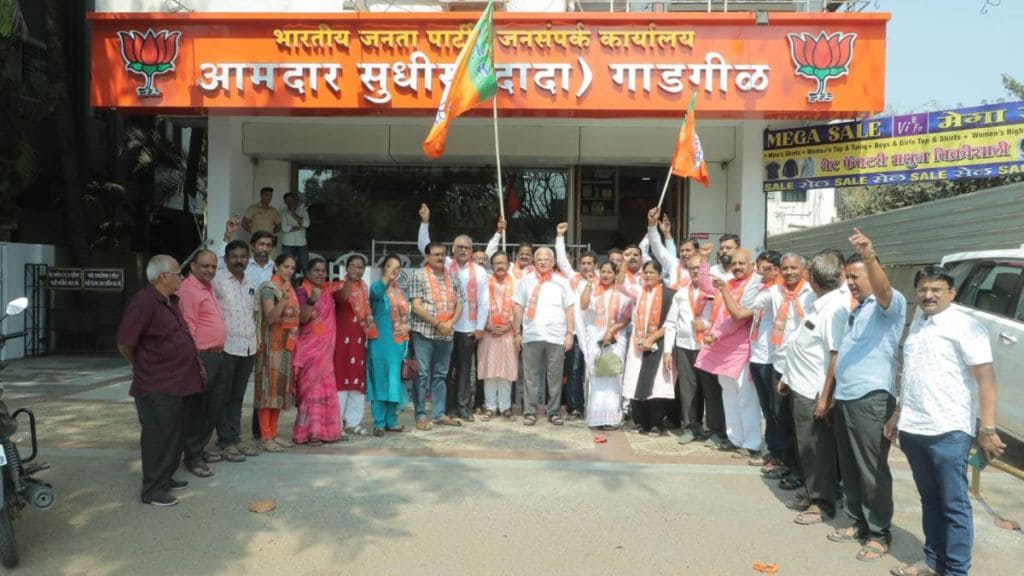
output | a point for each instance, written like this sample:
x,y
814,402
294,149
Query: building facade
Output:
x,y
332,100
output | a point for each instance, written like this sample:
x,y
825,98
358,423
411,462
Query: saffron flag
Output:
x,y
512,203
688,161
472,82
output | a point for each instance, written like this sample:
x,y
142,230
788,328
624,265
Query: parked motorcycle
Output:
x,y
18,487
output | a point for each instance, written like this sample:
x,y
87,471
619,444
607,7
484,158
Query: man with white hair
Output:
x,y
155,340
469,329
544,326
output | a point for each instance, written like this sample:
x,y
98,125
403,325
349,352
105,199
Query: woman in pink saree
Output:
x,y
316,396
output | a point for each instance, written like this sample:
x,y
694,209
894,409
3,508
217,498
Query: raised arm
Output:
x,y
423,238
880,285
560,256
667,259
737,311
495,242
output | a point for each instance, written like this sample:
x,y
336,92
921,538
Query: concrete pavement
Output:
x,y
491,497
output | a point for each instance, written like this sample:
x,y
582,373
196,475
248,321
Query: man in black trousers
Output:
x,y
154,339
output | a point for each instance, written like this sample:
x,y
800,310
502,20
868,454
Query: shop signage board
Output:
x,y
975,142
565,64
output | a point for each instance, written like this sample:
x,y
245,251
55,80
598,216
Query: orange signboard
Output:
x,y
552,64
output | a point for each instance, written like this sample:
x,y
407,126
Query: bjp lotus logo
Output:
x,y
149,54
821,57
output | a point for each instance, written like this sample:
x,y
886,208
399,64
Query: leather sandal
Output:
x,y
872,551
920,568
200,469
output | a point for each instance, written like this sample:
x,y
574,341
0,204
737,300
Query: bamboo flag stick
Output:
x,y
668,179
497,159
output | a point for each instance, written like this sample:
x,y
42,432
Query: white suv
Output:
x,y
988,287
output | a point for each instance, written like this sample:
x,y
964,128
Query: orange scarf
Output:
x,y
359,298
399,312
755,331
531,308
444,304
315,325
289,319
697,304
682,277
575,281
500,291
736,288
606,317
471,290
519,273
652,320
789,300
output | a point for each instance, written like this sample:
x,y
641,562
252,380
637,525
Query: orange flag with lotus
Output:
x,y
472,82
688,161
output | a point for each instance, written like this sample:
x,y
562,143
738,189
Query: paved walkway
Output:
x,y
494,497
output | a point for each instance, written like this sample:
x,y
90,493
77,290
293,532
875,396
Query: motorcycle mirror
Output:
x,y
16,306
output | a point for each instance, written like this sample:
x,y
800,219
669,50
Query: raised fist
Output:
x,y
562,228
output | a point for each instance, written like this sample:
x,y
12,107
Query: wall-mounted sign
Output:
x,y
103,279
91,279
572,64
64,278
977,142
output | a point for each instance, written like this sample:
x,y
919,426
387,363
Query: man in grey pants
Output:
x,y
865,399
543,326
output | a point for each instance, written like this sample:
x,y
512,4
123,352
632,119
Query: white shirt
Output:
x,y
254,273
288,221
811,345
939,390
772,300
565,266
679,324
678,276
483,296
720,272
237,302
554,302
761,346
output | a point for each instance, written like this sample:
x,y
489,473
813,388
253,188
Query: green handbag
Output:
x,y
608,364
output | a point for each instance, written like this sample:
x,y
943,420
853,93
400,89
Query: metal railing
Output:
x,y
409,253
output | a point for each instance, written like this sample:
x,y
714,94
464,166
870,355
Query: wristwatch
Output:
x,y
988,430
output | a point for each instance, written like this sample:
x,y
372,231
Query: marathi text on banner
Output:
x,y
976,142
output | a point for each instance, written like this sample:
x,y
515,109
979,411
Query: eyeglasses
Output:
x,y
463,248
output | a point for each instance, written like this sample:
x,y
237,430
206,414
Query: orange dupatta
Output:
x,y
444,304
651,320
500,316
399,312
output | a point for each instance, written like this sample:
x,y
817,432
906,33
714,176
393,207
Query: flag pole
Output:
x,y
664,188
497,159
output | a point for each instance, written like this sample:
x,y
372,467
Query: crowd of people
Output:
x,y
786,362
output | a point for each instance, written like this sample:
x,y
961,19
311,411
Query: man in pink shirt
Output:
x,y
203,317
726,353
